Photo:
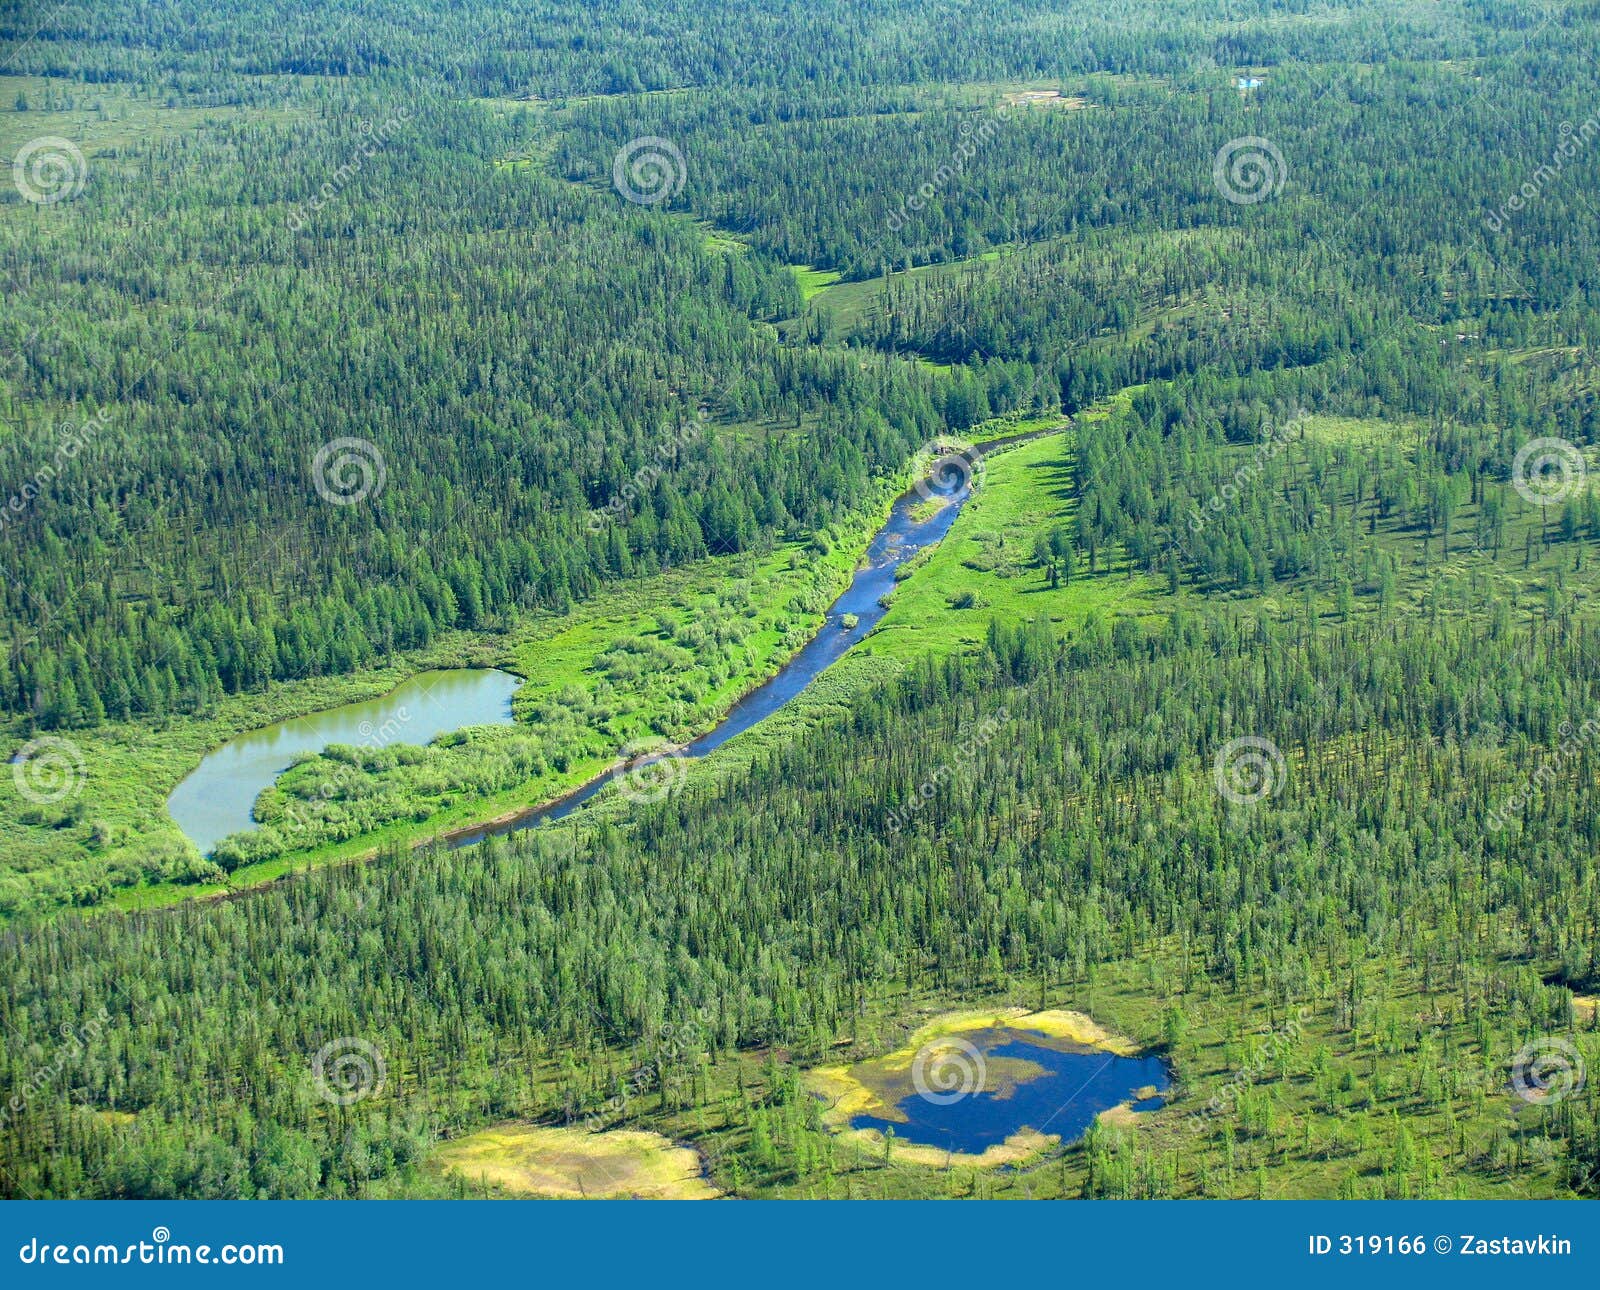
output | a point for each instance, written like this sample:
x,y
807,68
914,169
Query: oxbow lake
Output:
x,y
219,796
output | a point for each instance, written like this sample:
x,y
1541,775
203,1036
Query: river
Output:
x,y
919,519
219,797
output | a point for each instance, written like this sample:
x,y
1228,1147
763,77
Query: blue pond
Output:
x,y
1029,1081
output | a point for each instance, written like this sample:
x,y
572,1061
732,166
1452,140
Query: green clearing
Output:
x,y
986,568
813,282
837,310
103,119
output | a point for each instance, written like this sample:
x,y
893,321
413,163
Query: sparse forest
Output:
x,y
352,351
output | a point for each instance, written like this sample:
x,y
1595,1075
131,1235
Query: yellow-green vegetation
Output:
x,y
813,281
1363,432
101,119
720,243
1046,98
836,309
567,1163
878,1086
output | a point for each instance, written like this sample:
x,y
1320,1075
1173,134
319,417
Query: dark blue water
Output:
x,y
1076,1087
896,542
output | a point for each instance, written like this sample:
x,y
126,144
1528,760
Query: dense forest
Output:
x,y
350,351
527,353
780,906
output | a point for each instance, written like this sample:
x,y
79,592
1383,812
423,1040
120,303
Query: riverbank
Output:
x,y
112,842
574,688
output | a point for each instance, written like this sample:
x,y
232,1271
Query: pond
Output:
x,y
219,796
971,1092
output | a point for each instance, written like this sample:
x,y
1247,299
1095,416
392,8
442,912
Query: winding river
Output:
x,y
218,798
919,519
